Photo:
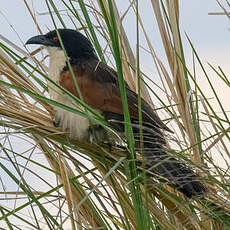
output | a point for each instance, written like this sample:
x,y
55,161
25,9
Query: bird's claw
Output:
x,y
57,122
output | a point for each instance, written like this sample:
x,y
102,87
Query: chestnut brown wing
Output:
x,y
99,88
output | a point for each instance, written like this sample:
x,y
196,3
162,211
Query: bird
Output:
x,y
99,89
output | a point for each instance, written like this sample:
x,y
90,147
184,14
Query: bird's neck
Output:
x,y
57,63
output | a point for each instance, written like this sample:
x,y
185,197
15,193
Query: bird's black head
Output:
x,y
77,46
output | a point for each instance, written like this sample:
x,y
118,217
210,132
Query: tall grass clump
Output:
x,y
49,181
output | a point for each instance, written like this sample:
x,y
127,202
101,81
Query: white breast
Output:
x,y
77,126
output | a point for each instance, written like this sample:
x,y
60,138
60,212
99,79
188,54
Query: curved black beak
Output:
x,y
41,40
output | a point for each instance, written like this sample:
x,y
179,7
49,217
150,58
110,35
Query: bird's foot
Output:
x,y
56,123
57,120
97,134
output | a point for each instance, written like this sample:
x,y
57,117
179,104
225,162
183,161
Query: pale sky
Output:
x,y
209,34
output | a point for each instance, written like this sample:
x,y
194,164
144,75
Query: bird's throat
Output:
x,y
57,62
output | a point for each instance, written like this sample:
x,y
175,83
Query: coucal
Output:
x,y
99,88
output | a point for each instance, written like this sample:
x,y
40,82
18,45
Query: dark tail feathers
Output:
x,y
166,166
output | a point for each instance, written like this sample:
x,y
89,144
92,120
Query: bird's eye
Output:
x,y
55,39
